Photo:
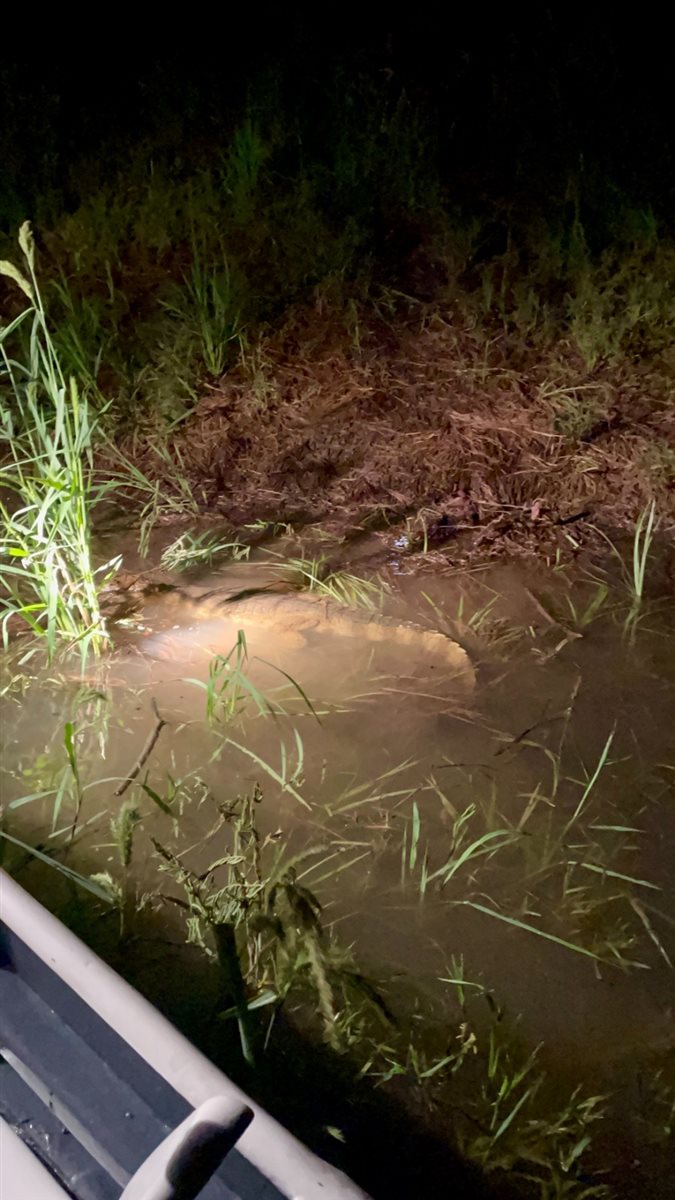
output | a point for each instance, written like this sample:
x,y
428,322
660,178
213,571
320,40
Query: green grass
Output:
x,y
205,306
195,550
88,883
478,629
472,1062
253,918
555,872
83,336
642,542
634,572
47,433
551,286
228,687
342,586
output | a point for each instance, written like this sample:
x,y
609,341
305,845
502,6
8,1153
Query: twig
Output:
x,y
145,752
580,516
543,612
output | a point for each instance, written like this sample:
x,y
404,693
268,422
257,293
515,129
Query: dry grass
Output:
x,y
419,413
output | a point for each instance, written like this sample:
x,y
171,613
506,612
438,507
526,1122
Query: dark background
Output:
x,y
516,99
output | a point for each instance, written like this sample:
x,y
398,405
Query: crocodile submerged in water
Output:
x,y
306,612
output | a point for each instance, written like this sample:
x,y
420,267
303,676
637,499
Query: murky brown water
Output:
x,y
396,741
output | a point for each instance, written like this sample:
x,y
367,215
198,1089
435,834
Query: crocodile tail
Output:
x,y
429,642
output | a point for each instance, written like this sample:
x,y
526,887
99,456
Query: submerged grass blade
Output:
x,y
280,779
508,1120
486,844
598,870
591,784
414,835
638,908
74,876
517,924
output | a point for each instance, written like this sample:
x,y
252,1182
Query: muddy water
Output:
x,y
398,771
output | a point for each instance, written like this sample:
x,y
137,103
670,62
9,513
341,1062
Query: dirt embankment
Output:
x,y
422,426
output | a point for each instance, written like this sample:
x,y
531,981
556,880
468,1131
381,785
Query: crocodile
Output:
x,y
306,612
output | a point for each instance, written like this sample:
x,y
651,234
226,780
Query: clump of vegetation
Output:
x,y
190,550
340,585
252,915
47,432
249,911
505,1118
635,573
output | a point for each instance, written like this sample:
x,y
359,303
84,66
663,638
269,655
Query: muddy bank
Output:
x,y
422,427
